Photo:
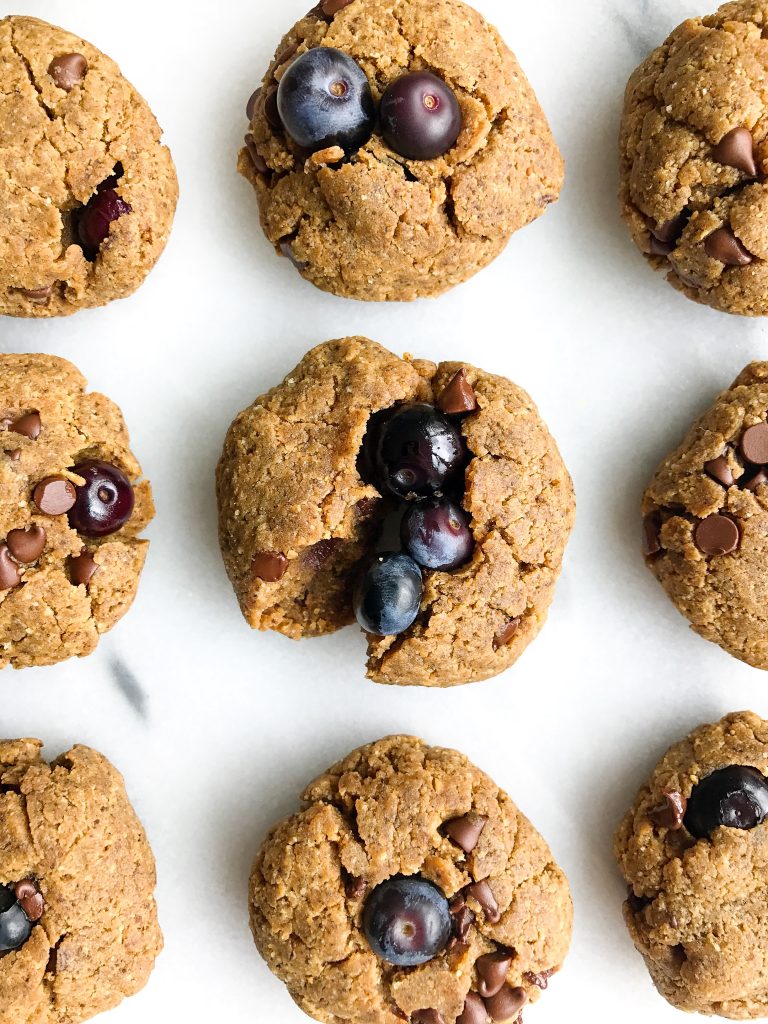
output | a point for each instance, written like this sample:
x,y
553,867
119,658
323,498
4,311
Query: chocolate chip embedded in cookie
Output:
x,y
696,909
413,941
72,506
705,526
435,512
395,148
78,922
87,190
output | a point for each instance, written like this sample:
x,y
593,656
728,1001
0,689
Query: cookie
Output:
x,y
693,852
410,888
410,205
72,505
302,512
705,526
694,152
78,922
87,190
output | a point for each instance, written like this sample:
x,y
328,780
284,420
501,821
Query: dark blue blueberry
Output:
x,y
15,927
104,502
732,797
436,534
388,595
324,99
417,450
407,921
419,116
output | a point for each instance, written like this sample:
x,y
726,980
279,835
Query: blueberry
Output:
x,y
104,502
15,927
420,117
417,451
97,216
407,921
324,99
436,534
733,797
388,595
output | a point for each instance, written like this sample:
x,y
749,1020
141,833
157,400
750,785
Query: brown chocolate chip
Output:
x,y
463,918
458,395
506,1004
286,248
719,469
354,887
271,112
250,106
257,159
15,454
331,7
9,571
651,535
670,814
540,980
68,70
55,495
82,568
724,246
658,248
30,898
506,634
26,546
269,566
28,426
482,892
465,831
754,444
492,970
427,1017
37,296
737,149
760,477
474,1011
717,535
665,236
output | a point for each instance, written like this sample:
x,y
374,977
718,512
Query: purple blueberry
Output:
x,y
324,99
98,215
420,117
407,921
436,534
15,926
104,502
416,451
388,595
733,797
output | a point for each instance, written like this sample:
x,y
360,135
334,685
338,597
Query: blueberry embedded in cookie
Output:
x,y
399,929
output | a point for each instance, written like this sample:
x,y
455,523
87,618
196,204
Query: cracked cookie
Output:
x,y
694,154
429,500
415,201
78,922
410,888
72,505
705,525
693,852
87,190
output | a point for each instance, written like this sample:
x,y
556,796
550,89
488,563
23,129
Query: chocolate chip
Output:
x,y
724,246
9,571
250,106
37,296
492,970
82,568
286,248
540,980
68,70
665,236
506,1004
717,535
658,248
651,535
269,566
671,813
354,887
257,159
331,7
482,892
55,495
463,918
15,454
760,477
427,1017
719,469
271,112
458,395
506,634
474,1011
754,444
30,898
737,149
28,426
26,546
465,831
315,557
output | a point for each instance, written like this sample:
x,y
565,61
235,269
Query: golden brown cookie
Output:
x,y
694,151
78,922
87,190
299,516
693,850
705,526
405,852
68,479
375,225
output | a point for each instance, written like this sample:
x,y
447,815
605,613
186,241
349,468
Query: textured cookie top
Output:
x,y
68,120
49,424
289,484
375,225
706,525
697,909
383,812
70,827
694,146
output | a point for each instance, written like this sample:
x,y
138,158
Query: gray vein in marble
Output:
x,y
646,24
129,686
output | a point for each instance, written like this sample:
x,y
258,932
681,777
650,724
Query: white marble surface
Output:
x,y
216,728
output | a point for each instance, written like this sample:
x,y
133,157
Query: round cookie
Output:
x,y
694,151
298,517
87,190
369,223
63,581
696,908
78,922
400,810
705,527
